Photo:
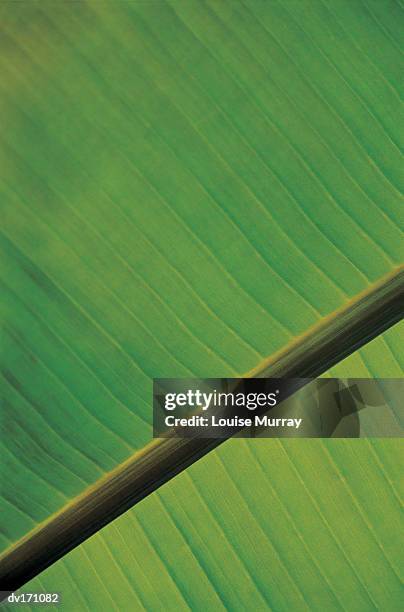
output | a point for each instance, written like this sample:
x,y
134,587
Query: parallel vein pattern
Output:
x,y
185,187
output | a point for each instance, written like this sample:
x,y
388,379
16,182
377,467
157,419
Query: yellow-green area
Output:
x,y
186,186
257,525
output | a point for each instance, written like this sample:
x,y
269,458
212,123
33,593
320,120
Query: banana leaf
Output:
x,y
187,187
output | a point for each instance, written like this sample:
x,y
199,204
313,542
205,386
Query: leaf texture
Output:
x,y
185,188
263,524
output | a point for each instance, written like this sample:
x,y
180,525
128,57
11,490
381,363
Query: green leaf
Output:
x,y
262,524
185,188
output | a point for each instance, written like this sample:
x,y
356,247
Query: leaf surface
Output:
x,y
185,188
